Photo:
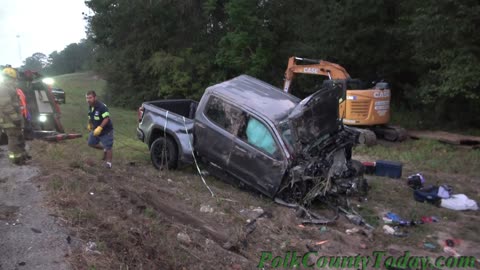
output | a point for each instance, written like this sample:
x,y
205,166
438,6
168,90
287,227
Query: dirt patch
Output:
x,y
8,212
142,218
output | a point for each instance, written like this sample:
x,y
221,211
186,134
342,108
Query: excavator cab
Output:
x,y
362,107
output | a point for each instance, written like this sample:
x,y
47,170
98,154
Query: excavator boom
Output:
x,y
361,108
315,67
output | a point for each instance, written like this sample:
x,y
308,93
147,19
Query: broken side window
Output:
x,y
224,114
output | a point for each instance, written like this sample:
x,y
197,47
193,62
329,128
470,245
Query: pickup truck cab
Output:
x,y
258,134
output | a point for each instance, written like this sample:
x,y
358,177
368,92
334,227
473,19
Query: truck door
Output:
x,y
214,128
257,157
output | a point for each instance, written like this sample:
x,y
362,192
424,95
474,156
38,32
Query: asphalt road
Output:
x,y
29,237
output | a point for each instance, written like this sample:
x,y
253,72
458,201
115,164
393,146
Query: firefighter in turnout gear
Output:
x,y
11,119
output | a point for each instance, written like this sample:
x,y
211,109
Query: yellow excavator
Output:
x,y
367,110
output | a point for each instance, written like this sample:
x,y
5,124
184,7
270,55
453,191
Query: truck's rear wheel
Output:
x,y
164,153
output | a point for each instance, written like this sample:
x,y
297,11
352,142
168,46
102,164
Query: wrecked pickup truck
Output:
x,y
284,147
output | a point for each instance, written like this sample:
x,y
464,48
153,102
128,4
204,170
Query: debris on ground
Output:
x,y
452,242
309,216
388,229
355,218
252,213
184,238
352,231
429,219
369,167
451,251
392,218
392,169
427,194
459,202
416,181
428,245
206,209
91,248
36,230
446,137
395,231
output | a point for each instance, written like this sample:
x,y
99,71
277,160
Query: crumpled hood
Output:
x,y
316,115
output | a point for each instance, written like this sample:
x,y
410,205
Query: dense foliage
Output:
x,y
428,50
75,57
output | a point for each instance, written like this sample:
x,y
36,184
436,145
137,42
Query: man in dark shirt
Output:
x,y
100,127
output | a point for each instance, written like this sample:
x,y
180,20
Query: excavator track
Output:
x,y
390,133
366,137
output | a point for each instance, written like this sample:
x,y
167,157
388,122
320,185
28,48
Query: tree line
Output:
x,y
428,50
75,57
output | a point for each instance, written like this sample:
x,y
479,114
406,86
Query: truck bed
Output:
x,y
166,116
182,107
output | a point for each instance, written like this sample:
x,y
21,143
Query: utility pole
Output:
x,y
19,49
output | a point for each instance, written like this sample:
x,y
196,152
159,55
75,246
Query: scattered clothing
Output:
x,y
444,191
459,202
427,194
429,219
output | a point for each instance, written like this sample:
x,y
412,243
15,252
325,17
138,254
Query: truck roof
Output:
x,y
257,95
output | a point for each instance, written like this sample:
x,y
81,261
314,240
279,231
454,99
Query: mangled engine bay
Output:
x,y
325,171
322,167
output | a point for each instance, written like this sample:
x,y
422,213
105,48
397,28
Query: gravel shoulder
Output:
x,y
30,238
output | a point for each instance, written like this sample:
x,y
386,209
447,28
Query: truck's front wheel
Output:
x,y
164,154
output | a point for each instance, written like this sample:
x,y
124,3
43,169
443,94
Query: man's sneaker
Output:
x,y
108,165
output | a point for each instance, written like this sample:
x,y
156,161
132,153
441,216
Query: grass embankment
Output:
x,y
134,212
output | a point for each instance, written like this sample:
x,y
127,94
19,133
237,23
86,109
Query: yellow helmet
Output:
x,y
10,72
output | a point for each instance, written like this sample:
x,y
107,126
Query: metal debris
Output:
x,y
324,170
206,209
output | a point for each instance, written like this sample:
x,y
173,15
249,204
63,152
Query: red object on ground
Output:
x,y
369,167
62,136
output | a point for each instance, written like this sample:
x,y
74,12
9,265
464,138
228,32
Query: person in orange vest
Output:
x,y
23,104
10,120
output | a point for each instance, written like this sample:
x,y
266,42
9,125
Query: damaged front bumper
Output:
x,y
324,170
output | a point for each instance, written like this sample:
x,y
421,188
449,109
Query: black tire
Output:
x,y
156,150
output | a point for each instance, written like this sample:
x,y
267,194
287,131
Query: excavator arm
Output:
x,y
315,67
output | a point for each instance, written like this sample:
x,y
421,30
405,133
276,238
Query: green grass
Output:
x,y
74,118
85,195
427,155
417,120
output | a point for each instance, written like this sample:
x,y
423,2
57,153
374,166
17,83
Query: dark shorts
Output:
x,y
105,139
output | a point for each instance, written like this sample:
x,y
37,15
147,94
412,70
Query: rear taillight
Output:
x,y
140,113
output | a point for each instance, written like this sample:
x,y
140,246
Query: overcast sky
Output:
x,y
41,26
